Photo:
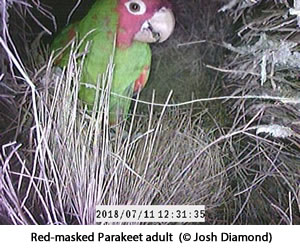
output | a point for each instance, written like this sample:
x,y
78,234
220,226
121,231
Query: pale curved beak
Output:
x,y
158,28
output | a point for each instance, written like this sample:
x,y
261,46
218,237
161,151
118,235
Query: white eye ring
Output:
x,y
136,7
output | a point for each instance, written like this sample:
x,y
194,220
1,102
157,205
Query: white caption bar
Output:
x,y
151,213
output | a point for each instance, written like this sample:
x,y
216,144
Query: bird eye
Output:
x,y
136,7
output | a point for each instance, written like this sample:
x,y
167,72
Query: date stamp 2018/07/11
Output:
x,y
150,213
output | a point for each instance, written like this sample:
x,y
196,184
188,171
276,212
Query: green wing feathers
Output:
x,y
129,65
99,28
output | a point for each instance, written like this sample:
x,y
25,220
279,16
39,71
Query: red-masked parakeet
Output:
x,y
134,24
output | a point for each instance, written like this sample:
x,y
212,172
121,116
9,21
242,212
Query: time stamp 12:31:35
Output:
x,y
150,213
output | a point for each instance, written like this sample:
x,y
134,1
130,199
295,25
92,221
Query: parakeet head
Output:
x,y
146,21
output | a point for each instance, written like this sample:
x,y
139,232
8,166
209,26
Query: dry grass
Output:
x,y
75,161
264,64
58,161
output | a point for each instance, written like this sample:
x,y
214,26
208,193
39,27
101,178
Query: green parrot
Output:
x,y
129,24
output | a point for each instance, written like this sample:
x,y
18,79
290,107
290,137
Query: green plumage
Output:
x,y
99,27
